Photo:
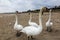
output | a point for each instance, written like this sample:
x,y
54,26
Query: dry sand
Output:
x,y
8,33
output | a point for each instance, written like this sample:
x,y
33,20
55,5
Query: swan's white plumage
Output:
x,y
33,30
32,23
49,23
16,25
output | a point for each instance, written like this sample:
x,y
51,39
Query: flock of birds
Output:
x,y
33,29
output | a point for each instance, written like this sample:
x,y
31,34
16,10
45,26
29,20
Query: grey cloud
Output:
x,y
24,5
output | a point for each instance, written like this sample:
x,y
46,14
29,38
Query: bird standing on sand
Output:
x,y
33,30
32,23
49,23
17,26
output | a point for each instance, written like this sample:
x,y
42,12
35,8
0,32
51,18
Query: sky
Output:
x,y
24,5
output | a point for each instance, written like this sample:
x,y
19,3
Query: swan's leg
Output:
x,y
49,29
32,37
28,37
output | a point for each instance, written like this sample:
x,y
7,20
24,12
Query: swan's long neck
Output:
x,y
30,18
49,15
40,17
16,22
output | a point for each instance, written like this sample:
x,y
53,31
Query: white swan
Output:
x,y
49,23
32,23
33,30
17,26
